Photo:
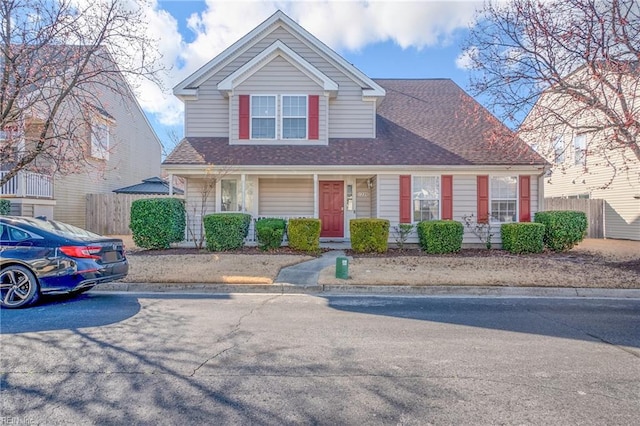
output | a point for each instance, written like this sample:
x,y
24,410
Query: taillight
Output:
x,y
87,252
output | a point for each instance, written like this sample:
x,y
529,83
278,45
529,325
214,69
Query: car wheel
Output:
x,y
18,287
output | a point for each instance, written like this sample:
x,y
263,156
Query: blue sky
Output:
x,y
384,39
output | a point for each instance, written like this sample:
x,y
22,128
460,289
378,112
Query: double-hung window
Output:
x,y
100,140
558,150
263,117
580,150
426,198
294,117
504,198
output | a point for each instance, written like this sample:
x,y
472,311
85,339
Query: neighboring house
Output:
x,y
150,186
122,149
586,162
280,125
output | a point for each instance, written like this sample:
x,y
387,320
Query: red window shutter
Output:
x,y
314,116
405,199
525,198
243,132
446,183
483,199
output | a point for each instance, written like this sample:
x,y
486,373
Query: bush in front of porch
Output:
x,y
369,235
304,234
226,231
269,232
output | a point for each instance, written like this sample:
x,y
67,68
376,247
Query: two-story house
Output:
x,y
120,149
279,124
580,142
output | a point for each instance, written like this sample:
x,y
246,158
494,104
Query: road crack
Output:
x,y
234,330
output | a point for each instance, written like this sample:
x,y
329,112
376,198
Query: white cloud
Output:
x,y
465,60
342,25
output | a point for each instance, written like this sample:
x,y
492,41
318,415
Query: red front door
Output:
x,y
332,208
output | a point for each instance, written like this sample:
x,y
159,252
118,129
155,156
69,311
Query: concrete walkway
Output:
x,y
307,273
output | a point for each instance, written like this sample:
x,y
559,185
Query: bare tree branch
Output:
x,y
59,59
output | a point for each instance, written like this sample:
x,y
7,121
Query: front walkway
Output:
x,y
307,273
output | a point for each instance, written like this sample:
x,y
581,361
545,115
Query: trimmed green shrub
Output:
x,y
440,236
369,235
157,222
304,234
269,232
5,207
563,228
226,231
525,237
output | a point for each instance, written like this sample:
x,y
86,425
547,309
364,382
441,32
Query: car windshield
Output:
x,y
62,229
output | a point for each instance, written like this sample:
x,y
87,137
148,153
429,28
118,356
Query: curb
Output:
x,y
287,288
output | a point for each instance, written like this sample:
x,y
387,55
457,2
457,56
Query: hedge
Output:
x,y
157,222
269,232
440,236
226,231
369,235
5,207
525,237
563,228
304,234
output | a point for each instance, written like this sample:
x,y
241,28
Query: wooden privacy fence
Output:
x,y
594,209
110,214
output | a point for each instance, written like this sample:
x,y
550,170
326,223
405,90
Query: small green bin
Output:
x,y
342,268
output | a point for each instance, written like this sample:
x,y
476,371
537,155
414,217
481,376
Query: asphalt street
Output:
x,y
135,358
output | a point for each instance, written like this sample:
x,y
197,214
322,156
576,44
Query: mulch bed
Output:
x,y
574,257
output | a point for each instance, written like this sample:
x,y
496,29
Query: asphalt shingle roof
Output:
x,y
419,122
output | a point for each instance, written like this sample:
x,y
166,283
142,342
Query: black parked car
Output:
x,y
48,257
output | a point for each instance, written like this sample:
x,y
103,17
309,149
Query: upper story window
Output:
x,y
294,117
504,198
580,150
100,140
263,117
558,150
426,198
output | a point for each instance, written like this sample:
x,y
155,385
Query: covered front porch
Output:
x,y
30,194
333,198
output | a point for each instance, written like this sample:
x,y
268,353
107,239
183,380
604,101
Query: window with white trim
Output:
x,y
231,197
100,140
503,191
580,150
294,117
426,198
263,117
558,150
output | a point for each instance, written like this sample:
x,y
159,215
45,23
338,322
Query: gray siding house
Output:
x,y
280,125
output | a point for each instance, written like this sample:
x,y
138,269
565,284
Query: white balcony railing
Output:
x,y
27,184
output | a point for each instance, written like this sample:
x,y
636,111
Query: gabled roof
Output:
x,y
153,185
188,87
419,122
277,49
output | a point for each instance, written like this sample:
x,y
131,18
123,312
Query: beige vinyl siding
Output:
x,y
135,154
285,197
622,211
349,115
389,193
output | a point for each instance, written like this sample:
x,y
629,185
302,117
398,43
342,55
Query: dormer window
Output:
x,y
274,118
294,117
263,117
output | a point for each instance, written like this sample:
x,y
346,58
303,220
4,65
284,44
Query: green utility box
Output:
x,y
342,268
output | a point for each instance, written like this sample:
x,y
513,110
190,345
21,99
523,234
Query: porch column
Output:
x,y
170,184
316,212
243,186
